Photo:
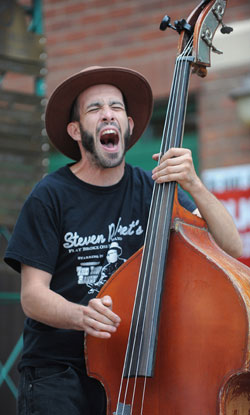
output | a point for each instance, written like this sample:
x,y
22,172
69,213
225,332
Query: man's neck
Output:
x,y
98,176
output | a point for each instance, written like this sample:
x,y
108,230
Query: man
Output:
x,y
71,218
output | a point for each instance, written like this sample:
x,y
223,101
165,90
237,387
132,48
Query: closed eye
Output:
x,y
117,107
93,106
93,109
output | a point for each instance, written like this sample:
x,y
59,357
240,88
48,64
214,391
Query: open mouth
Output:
x,y
109,139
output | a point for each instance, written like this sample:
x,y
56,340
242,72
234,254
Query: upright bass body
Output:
x,y
203,349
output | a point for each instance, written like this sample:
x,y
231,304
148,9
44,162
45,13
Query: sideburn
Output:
x,y
87,140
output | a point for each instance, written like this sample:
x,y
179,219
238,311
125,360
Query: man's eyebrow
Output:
x,y
117,102
93,104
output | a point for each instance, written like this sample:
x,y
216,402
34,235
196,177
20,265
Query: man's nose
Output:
x,y
107,114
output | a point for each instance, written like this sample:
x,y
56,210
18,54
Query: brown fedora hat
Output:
x,y
132,84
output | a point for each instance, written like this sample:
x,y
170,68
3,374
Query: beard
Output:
x,y
97,158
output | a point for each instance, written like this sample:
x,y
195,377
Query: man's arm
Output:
x,y
40,303
177,165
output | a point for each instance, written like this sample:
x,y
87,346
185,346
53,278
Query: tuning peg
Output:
x,y
207,37
183,25
215,50
218,11
165,23
225,29
179,25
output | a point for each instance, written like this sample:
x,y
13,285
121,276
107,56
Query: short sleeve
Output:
x,y
35,239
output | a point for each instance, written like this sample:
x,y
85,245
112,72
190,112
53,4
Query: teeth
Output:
x,y
109,132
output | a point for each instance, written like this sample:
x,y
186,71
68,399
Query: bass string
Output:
x,y
133,393
177,86
166,144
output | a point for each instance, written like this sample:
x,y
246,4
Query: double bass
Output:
x,y
183,345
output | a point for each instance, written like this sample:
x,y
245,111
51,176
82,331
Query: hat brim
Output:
x,y
132,84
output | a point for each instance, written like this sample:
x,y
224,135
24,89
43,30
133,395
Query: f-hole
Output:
x,y
236,395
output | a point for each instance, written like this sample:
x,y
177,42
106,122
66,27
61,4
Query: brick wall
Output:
x,y
126,33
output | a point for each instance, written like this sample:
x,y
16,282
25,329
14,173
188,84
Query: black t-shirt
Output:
x,y
80,234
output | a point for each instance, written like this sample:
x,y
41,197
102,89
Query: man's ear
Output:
x,y
74,130
131,124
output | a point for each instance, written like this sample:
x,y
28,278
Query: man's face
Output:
x,y
104,125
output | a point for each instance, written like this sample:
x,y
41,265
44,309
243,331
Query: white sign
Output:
x,y
227,178
232,186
